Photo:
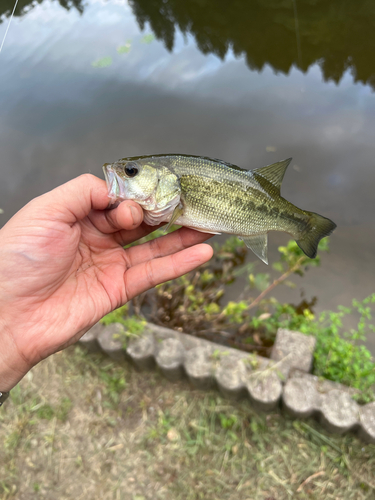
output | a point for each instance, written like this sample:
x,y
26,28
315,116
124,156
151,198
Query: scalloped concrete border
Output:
x,y
268,383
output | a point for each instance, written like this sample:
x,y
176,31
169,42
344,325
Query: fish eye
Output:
x,y
131,169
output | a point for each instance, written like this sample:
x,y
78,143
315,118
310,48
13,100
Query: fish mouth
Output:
x,y
115,185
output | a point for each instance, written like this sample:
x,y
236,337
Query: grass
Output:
x,y
80,426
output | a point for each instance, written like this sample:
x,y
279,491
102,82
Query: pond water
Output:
x,y
248,81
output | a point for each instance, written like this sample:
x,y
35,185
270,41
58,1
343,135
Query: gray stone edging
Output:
x,y
282,380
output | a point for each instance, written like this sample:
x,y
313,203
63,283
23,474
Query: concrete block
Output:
x,y
367,423
322,385
230,376
110,342
141,351
339,412
170,358
293,350
89,340
199,366
264,389
236,373
300,397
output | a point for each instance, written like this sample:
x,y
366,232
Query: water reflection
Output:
x,y
338,36
24,6
78,90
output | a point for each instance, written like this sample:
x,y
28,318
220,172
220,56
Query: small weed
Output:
x,y
227,422
133,326
62,411
45,412
235,311
13,439
252,361
219,354
114,380
116,316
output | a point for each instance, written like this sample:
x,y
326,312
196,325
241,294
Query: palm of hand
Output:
x,y
63,268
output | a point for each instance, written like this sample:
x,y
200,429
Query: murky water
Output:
x,y
250,82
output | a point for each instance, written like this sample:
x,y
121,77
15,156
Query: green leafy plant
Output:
x,y
116,316
133,325
195,303
337,355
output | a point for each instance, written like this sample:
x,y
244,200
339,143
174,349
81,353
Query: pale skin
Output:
x,y
63,267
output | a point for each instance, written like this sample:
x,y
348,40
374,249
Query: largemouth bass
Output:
x,y
215,197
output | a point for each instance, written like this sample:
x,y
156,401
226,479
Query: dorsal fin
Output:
x,y
274,173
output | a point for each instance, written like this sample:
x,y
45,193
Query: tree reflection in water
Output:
x,y
338,35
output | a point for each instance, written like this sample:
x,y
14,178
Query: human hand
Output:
x,y
63,267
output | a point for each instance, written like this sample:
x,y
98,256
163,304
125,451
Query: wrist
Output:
x,y
12,366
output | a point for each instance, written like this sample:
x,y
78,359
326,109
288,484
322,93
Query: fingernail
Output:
x,y
136,216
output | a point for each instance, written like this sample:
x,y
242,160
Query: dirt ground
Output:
x,y
81,426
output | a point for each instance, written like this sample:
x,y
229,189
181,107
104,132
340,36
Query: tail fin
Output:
x,y
318,228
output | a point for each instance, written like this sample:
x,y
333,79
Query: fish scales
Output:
x,y
218,197
214,196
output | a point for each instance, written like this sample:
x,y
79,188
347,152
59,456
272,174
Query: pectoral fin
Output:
x,y
258,244
177,212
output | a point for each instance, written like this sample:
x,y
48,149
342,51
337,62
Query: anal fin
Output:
x,y
258,244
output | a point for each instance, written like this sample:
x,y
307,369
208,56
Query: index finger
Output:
x,y
146,275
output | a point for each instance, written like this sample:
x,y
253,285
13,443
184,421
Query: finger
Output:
x,y
75,199
165,245
128,215
144,276
126,237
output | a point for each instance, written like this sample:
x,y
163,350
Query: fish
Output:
x,y
215,197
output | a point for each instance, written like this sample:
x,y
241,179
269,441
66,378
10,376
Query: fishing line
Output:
x,y
10,20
